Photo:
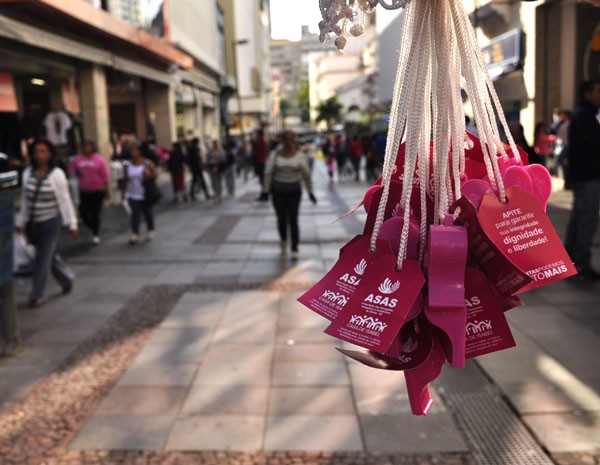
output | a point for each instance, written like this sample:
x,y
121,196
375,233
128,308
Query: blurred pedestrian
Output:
x,y
542,144
139,185
356,152
561,145
518,134
229,166
328,152
176,166
216,162
46,205
340,155
194,159
92,174
286,169
260,154
584,178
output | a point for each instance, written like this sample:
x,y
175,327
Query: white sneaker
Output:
x,y
151,235
295,255
96,240
135,239
283,245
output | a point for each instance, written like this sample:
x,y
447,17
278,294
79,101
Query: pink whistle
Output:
x,y
391,231
475,190
418,379
542,183
446,265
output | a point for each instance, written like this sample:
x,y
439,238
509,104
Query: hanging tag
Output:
x,y
378,308
504,275
487,330
446,263
331,294
413,349
525,235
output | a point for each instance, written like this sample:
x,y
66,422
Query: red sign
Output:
x,y
8,96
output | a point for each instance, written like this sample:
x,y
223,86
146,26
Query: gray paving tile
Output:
x,y
364,375
172,353
225,400
309,374
303,352
142,400
311,401
233,374
251,354
123,432
388,399
217,432
177,274
567,432
316,433
406,433
246,330
298,335
154,374
180,337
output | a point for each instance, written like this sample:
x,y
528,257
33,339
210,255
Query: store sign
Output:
x,y
8,96
504,53
70,97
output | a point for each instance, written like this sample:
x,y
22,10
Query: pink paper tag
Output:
x,y
524,234
378,308
502,273
332,293
413,349
487,330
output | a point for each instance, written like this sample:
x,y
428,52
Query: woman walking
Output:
x,y
92,174
286,169
46,205
216,162
140,176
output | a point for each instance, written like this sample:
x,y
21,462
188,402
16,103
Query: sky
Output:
x,y
288,17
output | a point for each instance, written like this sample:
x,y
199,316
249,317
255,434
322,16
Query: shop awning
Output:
x,y
29,35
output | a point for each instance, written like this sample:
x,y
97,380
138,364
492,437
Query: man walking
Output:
x,y
584,177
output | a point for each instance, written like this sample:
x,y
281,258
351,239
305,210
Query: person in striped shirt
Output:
x,y
46,205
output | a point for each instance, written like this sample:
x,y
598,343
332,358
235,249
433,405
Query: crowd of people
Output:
x,y
569,147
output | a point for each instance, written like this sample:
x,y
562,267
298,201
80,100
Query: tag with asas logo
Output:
x,y
487,330
524,234
504,275
379,307
414,347
332,293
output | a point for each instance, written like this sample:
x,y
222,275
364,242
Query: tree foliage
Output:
x,y
304,101
329,111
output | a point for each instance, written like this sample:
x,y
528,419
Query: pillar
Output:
x,y
160,100
94,107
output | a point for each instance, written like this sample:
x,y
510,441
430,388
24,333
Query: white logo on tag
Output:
x,y
387,287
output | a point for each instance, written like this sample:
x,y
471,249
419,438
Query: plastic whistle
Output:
x,y
418,379
446,266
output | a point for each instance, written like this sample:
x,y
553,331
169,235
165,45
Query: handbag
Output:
x,y
152,193
30,228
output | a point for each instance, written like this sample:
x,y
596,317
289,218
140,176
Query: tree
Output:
x,y
284,108
329,111
304,101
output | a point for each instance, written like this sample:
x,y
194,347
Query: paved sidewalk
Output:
x,y
194,343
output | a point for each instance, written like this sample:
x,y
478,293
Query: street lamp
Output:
x,y
234,44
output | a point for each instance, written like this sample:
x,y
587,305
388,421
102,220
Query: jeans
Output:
x,y
139,208
216,179
198,180
229,175
47,260
287,206
90,207
583,222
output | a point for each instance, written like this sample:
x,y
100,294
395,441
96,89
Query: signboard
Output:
x,y
505,53
8,96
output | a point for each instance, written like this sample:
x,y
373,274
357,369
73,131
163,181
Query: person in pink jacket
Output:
x,y
92,173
